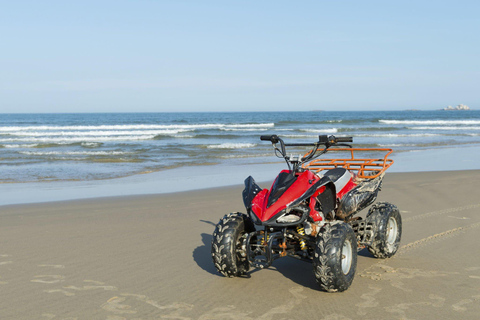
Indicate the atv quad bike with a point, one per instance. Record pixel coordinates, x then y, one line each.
310 213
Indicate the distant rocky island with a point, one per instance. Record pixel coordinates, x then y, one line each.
459 107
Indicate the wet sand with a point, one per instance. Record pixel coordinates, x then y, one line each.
148 257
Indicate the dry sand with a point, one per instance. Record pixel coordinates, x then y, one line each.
148 257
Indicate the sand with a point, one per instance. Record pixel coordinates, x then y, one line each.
148 257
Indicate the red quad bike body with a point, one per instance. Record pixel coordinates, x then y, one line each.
303 181
311 213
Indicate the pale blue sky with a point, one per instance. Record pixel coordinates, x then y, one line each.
126 56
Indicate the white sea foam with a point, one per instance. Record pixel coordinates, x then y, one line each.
244 129
95 133
431 122
75 153
310 136
445 128
231 145
139 127
396 145
78 139
91 144
15 146
320 131
397 135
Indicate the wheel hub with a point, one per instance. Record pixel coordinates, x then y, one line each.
392 229
346 256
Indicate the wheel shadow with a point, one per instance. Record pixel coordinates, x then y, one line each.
202 255
365 253
300 272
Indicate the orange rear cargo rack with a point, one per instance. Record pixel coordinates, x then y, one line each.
365 168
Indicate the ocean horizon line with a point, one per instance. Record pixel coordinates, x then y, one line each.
234 111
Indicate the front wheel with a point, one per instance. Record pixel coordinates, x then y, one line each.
387 223
335 259
228 244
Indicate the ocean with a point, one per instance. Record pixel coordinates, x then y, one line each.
87 147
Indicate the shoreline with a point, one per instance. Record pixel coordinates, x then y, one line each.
216 176
208 190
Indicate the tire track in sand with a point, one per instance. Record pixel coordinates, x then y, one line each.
435 237
414 245
440 212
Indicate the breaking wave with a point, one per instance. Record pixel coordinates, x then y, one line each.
76 153
444 128
431 122
231 146
140 127
320 130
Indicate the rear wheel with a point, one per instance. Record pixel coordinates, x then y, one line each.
228 244
387 222
335 259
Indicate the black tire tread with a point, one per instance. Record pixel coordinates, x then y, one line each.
328 273
378 213
224 244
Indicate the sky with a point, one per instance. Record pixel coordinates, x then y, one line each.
169 56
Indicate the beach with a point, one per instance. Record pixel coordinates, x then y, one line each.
129 131
148 257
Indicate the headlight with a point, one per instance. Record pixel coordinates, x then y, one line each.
288 218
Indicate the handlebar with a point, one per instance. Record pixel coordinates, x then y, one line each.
327 141
322 139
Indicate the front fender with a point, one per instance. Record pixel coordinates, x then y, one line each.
251 190
327 198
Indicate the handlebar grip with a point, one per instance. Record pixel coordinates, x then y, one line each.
344 139
272 138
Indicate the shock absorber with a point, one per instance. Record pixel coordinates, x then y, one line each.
266 238
301 231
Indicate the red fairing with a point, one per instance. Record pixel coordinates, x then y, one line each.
314 213
298 188
259 202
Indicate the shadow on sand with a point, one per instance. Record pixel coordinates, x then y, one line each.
203 256
364 253
300 272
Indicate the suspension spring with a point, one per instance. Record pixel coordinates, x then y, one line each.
301 231
266 238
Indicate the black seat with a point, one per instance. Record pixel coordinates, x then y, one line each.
335 174
339 176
